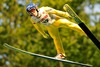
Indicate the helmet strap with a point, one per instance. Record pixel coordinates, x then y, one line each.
37 12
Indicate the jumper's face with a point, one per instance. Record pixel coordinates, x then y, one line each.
33 12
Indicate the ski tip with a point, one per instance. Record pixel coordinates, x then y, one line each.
65 6
5 44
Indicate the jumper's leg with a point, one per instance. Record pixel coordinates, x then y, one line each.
54 33
69 24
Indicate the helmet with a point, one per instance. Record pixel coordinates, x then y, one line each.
30 6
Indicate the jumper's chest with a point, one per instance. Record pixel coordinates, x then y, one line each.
43 17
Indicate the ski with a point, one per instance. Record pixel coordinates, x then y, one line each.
68 9
46 57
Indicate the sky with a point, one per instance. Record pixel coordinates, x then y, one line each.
88 10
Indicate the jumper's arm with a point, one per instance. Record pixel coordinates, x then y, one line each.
40 29
57 12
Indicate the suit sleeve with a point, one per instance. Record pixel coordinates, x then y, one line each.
57 12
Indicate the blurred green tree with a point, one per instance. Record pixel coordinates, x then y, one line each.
17 30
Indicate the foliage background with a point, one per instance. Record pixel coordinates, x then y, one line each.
17 30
